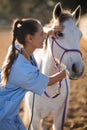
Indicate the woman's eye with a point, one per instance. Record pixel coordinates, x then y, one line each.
59 34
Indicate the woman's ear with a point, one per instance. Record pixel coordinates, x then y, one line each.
28 38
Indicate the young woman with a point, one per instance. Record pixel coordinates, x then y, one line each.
20 72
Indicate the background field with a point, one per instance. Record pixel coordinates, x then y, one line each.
77 113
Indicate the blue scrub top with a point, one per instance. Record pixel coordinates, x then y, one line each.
23 77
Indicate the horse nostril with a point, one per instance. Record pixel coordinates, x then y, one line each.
74 68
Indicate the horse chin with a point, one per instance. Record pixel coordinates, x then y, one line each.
75 77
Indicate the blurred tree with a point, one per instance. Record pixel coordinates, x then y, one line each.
72 4
4 9
40 9
16 9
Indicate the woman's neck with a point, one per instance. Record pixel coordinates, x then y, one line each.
27 52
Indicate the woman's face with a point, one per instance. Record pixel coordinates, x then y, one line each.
38 38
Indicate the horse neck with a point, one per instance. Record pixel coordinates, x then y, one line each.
48 64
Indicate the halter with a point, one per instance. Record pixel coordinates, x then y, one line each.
65 49
58 65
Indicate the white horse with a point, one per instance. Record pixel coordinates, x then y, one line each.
62 50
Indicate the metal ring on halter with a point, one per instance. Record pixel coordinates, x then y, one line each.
58 64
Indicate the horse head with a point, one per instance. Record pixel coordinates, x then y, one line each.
66 45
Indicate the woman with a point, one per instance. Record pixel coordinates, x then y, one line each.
20 72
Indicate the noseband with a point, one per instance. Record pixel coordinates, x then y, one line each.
65 49
58 65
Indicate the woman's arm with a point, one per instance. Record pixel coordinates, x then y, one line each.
56 77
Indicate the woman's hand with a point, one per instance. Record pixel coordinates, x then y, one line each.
57 77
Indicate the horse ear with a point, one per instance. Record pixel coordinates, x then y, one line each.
57 10
76 14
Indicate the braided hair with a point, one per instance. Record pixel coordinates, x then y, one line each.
21 28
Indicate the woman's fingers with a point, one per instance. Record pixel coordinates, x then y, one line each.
58 28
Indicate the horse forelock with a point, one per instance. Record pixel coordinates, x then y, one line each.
65 15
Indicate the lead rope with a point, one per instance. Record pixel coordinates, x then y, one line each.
58 68
64 111
32 112
33 63
58 65
65 51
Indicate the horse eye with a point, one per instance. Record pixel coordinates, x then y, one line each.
59 34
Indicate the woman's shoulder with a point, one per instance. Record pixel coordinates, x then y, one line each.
23 64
